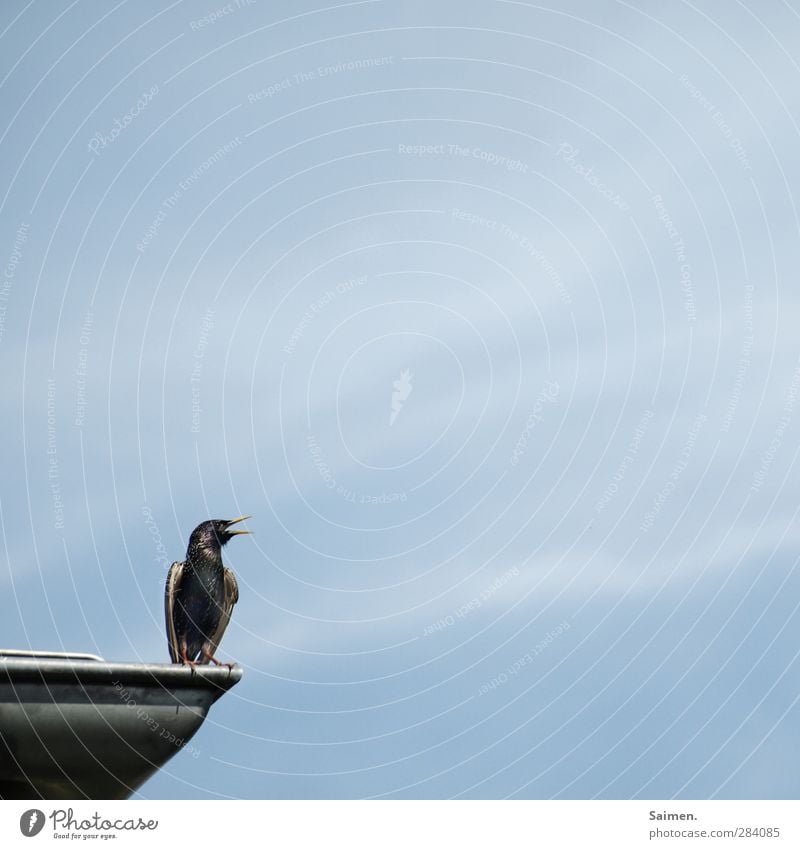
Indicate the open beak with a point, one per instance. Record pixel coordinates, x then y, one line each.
233 522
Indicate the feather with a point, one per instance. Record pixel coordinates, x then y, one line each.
231 597
174 578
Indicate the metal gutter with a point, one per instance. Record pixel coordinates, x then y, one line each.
76 727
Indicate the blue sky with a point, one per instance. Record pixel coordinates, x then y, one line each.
486 312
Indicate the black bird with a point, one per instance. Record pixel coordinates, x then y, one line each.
200 595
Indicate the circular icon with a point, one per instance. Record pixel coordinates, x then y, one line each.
31 822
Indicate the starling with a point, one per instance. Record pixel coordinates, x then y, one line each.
200 595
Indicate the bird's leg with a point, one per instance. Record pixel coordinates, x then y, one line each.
216 662
192 664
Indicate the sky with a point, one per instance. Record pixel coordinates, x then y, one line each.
486 312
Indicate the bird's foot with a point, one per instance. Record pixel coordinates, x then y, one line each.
192 664
218 662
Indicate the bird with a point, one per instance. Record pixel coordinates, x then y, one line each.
200 595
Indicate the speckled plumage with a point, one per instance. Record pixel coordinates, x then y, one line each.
200 594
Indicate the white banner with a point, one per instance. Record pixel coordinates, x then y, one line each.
404 824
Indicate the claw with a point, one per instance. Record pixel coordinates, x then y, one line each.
216 662
192 664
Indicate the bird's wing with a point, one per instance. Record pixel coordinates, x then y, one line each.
231 597
174 578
